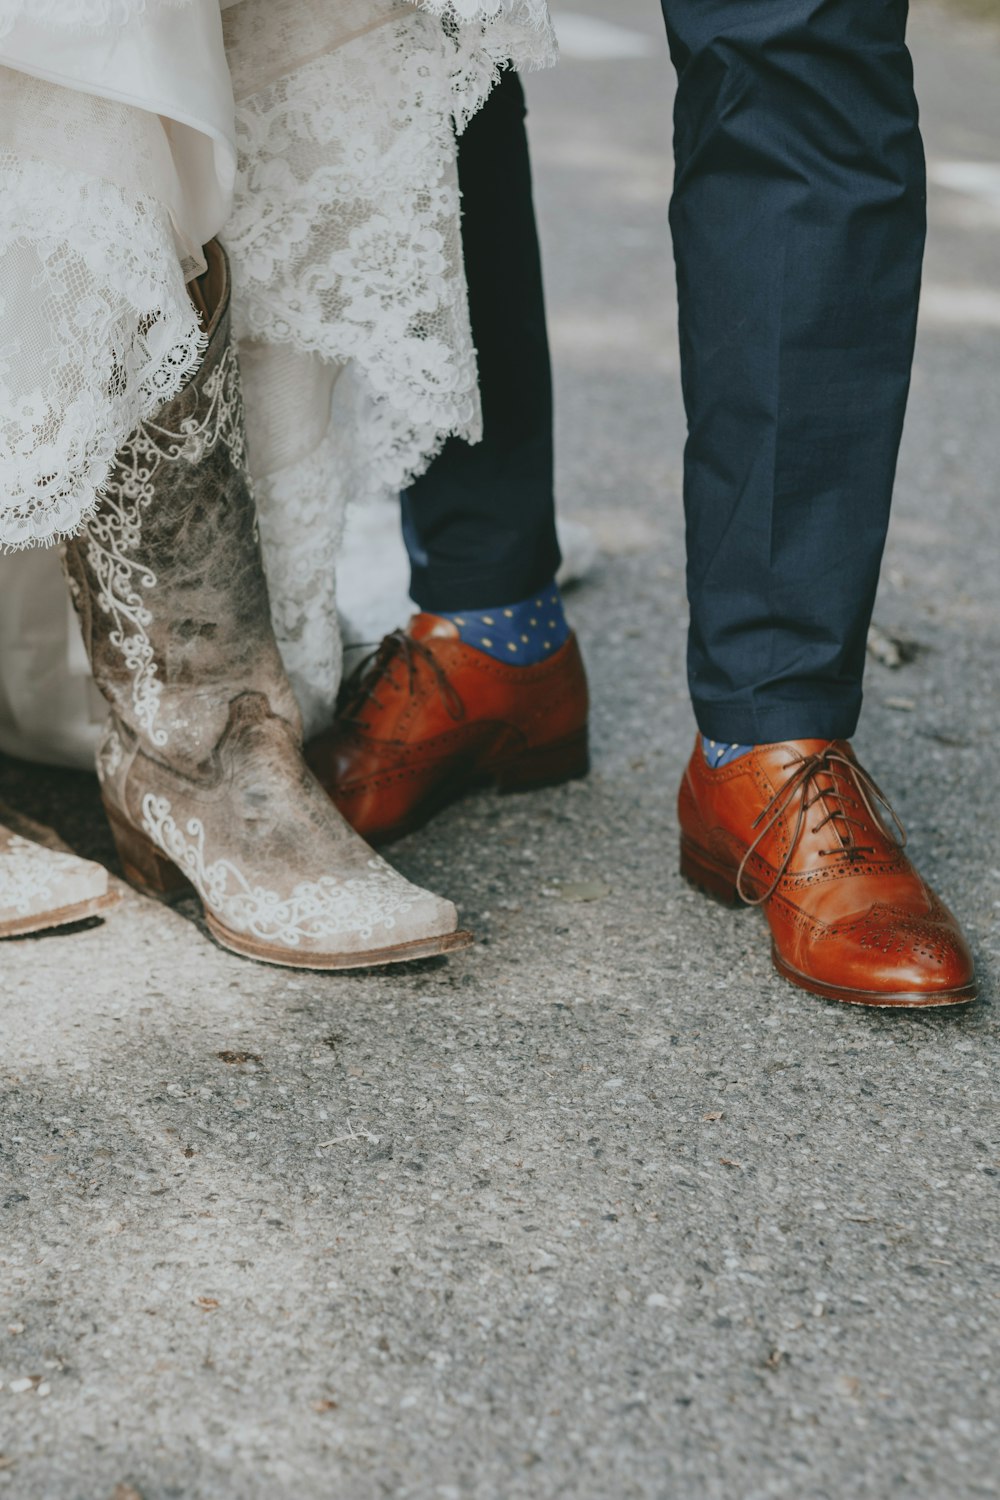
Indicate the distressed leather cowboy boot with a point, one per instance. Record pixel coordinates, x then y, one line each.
43 885
794 828
201 766
429 717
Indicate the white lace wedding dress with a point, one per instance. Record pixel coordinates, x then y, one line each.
317 138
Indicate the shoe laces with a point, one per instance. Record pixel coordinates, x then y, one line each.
361 686
848 787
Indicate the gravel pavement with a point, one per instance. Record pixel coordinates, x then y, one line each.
601 1208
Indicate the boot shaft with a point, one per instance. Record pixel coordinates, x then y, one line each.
167 576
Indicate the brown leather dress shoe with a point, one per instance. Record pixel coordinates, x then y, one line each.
793 828
428 717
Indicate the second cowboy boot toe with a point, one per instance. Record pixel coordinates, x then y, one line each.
43 885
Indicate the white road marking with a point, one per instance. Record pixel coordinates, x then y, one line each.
979 179
968 306
589 40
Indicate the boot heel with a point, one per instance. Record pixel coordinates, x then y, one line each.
548 765
145 867
700 870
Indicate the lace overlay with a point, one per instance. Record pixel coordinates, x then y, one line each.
484 36
345 244
345 249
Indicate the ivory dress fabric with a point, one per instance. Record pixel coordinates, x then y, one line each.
317 138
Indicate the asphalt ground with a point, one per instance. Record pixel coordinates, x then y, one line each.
600 1208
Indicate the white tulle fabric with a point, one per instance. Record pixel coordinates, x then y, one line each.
349 294
77 15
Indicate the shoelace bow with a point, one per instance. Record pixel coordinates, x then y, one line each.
363 681
804 781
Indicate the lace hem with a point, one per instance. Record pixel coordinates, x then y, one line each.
302 572
482 37
346 243
96 332
350 248
302 508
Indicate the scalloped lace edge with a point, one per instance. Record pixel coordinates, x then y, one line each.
129 312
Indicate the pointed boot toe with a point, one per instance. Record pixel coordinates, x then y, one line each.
434 917
281 876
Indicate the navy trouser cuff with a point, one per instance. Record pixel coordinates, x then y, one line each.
768 724
438 588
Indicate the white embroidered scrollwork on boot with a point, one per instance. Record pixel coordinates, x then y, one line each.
279 877
114 533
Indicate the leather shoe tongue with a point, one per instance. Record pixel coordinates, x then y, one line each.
423 627
805 748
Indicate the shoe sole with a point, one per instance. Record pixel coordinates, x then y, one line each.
531 771
64 916
926 1000
399 953
149 871
712 879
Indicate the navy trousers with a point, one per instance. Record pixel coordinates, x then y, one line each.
798 221
480 524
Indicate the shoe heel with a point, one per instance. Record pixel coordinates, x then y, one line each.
700 870
547 765
145 867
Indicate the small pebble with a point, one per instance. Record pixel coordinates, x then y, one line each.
584 890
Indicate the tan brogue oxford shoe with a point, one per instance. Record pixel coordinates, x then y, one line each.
430 717
794 828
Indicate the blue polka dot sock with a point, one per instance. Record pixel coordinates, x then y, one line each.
520 634
719 754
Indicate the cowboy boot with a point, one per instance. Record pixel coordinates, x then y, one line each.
43 885
201 766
